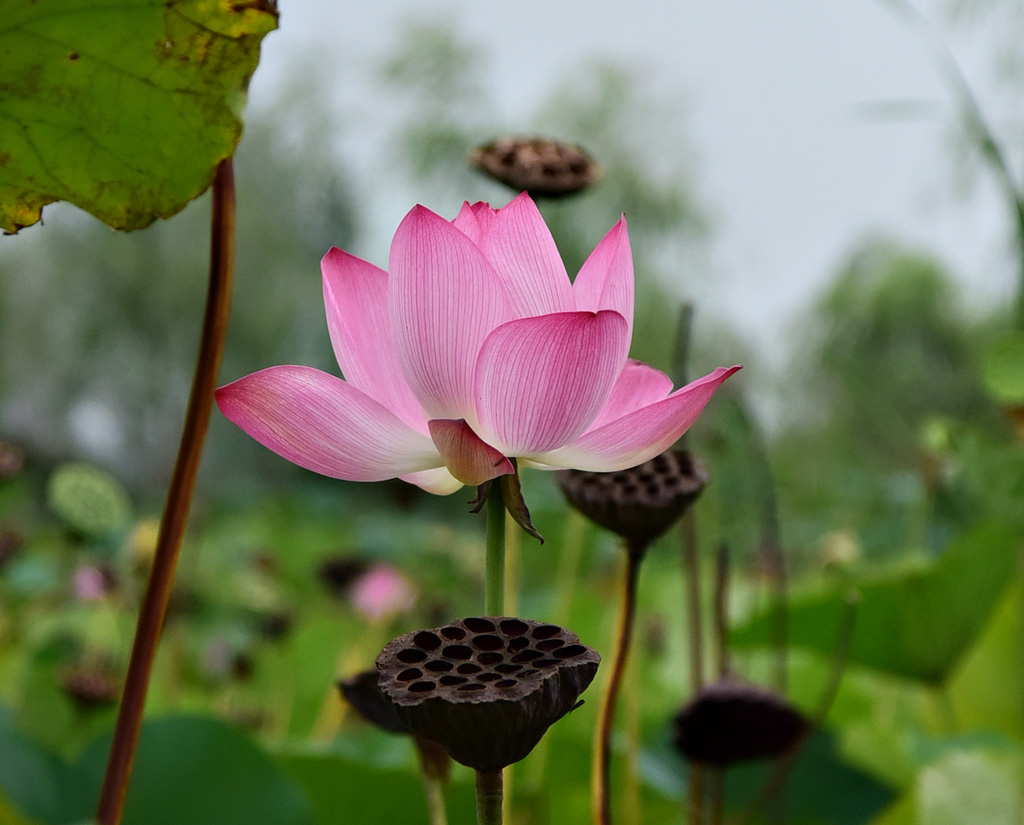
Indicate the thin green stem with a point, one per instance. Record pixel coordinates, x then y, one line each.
494 593
489 794
179 498
691 573
722 612
694 634
575 526
435 801
600 796
434 766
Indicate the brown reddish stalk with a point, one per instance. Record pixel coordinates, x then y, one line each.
603 735
179 498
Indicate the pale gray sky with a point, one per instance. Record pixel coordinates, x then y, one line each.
783 98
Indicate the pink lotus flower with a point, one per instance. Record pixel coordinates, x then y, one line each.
475 349
382 592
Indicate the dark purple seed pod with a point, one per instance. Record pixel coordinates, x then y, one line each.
91 688
642 502
483 687
363 693
12 459
339 572
729 722
274 625
10 544
542 167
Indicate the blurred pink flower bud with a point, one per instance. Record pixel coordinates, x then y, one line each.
382 592
91 583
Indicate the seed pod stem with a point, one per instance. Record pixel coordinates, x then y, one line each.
489 794
602 746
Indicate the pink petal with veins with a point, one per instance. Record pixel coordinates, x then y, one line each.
541 381
445 298
325 425
474 220
640 435
467 457
638 385
437 481
520 246
605 280
356 300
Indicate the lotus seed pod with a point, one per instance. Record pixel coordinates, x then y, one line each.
12 460
642 502
539 166
338 573
90 687
363 693
486 688
729 722
10 544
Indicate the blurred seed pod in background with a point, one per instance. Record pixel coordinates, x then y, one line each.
10 543
338 572
729 722
91 687
542 167
362 691
12 459
642 502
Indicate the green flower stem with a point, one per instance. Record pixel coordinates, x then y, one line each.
565 586
494 593
435 766
691 575
179 498
434 791
600 797
489 794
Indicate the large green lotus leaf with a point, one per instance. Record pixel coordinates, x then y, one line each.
123 109
914 623
9 816
821 788
32 780
965 788
341 789
187 769
986 687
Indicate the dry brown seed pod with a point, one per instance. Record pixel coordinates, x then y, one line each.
729 722
90 688
642 502
364 695
10 544
12 460
540 166
483 687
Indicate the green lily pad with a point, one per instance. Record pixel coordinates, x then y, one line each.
1003 368
123 109
965 788
915 624
188 769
